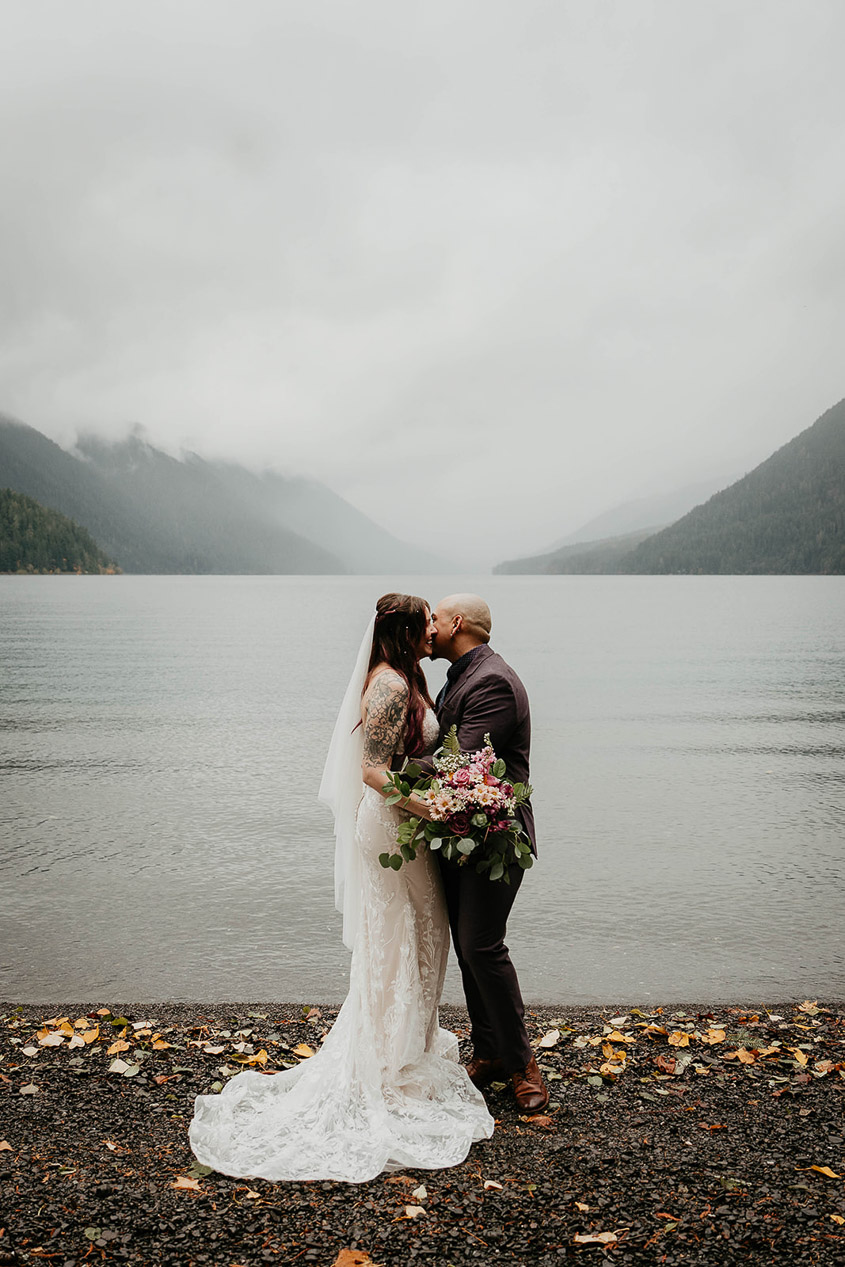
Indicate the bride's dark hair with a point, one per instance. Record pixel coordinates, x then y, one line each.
401 621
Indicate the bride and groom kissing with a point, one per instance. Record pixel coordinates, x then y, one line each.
385 1091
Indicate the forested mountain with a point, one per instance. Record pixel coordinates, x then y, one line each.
583 558
35 539
646 513
193 486
785 516
156 513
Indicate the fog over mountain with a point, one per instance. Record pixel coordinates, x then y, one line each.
481 269
156 513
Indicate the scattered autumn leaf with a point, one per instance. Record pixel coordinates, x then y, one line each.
492 1184
822 1170
184 1184
420 1193
53 1039
550 1039
353 1258
595 1238
161 1045
811 1008
413 1211
665 1063
302 1049
714 1036
5 1146
837 1218
91 1035
582 1206
800 1056
119 1045
678 1038
30 1089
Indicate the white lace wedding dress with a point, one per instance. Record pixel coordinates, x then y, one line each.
385 1091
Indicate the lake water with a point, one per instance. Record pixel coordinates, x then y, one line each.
162 739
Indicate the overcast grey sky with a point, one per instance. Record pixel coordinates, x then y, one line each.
484 268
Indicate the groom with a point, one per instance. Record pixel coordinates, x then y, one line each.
483 695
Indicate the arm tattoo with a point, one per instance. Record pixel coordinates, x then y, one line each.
387 710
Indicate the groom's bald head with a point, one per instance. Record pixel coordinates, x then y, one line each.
462 622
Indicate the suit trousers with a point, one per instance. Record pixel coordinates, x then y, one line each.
478 915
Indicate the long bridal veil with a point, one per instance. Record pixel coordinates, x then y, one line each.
384 1091
341 790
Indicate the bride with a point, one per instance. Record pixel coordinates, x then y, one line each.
385 1091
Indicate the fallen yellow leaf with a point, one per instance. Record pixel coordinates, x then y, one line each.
822 1170
678 1038
91 1035
582 1206
119 1045
714 1036
837 1218
745 1057
103 1011
617 1037
5 1146
160 1045
800 1056
184 1184
808 1006
251 1194
549 1040
82 1023
353 1258
302 1049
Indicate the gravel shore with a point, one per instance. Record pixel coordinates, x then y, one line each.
680 1134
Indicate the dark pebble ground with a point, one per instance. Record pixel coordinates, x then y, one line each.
690 1148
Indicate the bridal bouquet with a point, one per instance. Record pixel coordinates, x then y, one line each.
472 807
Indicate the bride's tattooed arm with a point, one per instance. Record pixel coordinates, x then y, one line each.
384 721
385 715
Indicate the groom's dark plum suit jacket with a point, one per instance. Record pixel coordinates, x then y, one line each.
488 698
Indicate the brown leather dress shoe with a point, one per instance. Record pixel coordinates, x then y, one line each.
482 1071
529 1088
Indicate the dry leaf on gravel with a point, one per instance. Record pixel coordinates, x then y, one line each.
185 1184
595 1238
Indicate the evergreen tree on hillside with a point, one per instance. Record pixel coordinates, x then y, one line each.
35 539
